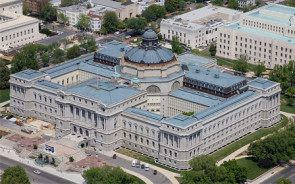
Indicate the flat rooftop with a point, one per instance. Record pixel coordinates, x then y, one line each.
181 120
105 91
260 33
196 97
83 63
193 59
205 12
213 76
281 9
114 49
198 18
144 114
262 83
16 20
73 8
2 2
230 102
29 74
48 84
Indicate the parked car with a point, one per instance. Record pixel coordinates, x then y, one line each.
147 167
142 166
37 172
155 172
138 164
3 116
9 117
133 163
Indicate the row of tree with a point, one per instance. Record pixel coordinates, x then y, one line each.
205 170
275 149
107 175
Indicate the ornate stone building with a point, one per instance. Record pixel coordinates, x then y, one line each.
138 101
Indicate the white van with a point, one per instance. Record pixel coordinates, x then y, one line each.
133 163
147 167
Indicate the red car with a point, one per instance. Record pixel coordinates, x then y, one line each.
155 172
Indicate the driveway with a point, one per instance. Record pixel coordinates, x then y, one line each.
159 178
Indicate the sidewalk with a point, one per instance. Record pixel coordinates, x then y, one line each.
4 103
267 174
9 153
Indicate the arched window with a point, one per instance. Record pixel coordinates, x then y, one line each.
75 129
153 89
81 131
175 85
87 133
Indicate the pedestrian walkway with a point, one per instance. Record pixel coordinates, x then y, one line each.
4 103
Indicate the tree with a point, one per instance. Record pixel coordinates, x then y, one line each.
204 170
199 5
71 159
62 18
212 50
241 64
154 12
83 21
106 175
217 2
4 76
290 92
136 23
88 6
48 13
88 44
58 53
283 181
239 173
176 45
25 59
73 52
259 69
171 5
285 75
233 4
26 9
182 4
45 59
65 3
110 21
35 146
15 175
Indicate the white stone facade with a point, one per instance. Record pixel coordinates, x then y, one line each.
265 35
199 27
15 6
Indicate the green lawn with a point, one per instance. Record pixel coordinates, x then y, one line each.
7 105
144 158
248 139
4 95
287 107
230 63
137 180
253 170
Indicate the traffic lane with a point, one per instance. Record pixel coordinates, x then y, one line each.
159 178
43 178
286 173
56 38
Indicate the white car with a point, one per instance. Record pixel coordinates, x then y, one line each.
37 172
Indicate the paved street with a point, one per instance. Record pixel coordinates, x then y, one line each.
286 173
43 178
66 31
159 178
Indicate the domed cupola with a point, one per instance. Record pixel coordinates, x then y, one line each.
149 51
